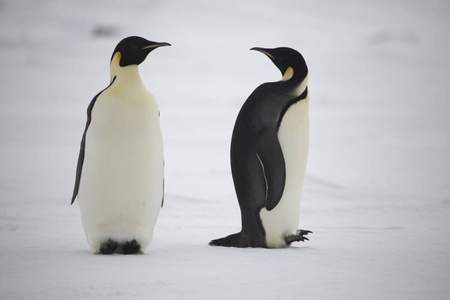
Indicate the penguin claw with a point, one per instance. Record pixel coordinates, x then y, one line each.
108 247
131 247
299 236
303 232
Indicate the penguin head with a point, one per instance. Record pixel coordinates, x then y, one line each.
287 60
133 50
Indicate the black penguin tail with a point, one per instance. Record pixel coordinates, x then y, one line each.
238 240
229 241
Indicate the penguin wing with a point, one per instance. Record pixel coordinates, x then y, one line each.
82 147
79 167
163 184
83 143
268 150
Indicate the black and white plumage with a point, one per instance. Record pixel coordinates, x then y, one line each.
119 178
269 150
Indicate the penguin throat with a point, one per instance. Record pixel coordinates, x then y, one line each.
288 74
127 76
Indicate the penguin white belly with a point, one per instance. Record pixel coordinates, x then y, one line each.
293 135
121 186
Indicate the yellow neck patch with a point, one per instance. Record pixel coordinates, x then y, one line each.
288 74
116 58
114 67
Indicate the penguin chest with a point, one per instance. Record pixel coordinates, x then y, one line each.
293 135
121 186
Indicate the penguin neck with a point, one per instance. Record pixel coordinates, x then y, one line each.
294 80
128 75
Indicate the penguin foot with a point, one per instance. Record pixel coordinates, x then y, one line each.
108 247
299 236
229 241
131 247
239 240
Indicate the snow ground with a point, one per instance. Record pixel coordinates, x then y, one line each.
377 192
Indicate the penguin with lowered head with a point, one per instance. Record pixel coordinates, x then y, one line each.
269 150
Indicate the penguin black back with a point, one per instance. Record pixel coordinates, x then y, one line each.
257 160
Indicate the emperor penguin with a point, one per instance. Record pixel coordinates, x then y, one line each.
119 179
269 150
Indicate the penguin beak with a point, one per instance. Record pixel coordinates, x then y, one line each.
264 51
153 46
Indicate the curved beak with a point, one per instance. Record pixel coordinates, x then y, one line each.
263 50
153 46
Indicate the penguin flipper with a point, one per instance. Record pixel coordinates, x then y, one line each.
82 147
162 200
270 155
79 168
83 143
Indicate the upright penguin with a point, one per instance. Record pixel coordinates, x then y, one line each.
269 150
119 180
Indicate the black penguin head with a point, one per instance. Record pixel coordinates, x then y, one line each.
285 58
134 49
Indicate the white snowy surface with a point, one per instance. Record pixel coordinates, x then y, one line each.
377 189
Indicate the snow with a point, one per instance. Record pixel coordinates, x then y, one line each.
377 189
